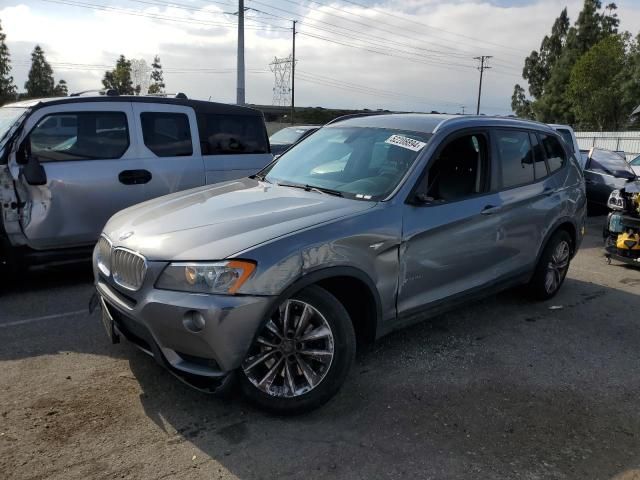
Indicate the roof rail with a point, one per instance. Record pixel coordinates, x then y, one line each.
179 95
356 115
109 92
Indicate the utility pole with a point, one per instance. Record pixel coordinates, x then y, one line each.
483 66
462 107
293 73
240 80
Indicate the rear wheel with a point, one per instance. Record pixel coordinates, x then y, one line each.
301 356
552 267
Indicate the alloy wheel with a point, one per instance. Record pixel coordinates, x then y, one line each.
293 352
557 267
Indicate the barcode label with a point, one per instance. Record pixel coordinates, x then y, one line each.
405 142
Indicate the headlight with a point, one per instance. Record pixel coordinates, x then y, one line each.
215 277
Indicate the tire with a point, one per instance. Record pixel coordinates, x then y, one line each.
552 263
300 382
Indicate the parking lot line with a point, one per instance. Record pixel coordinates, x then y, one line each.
43 318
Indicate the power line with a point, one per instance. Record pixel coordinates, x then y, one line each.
351 30
450 66
378 44
364 37
92 6
390 14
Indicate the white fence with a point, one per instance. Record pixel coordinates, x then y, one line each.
628 142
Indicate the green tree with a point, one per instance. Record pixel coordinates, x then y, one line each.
631 84
538 65
119 78
520 104
597 85
7 88
157 77
548 70
61 89
40 82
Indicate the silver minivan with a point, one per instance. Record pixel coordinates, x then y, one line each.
68 164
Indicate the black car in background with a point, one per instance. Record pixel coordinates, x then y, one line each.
604 172
283 139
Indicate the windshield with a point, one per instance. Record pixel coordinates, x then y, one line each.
610 163
287 135
362 163
636 161
8 116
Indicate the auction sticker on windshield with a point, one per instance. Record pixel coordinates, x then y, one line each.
405 142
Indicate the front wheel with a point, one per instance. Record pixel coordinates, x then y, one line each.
552 267
302 355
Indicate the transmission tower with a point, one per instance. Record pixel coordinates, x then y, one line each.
281 68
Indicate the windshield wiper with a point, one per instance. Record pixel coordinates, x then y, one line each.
259 176
311 188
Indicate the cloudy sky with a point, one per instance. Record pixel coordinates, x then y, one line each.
403 55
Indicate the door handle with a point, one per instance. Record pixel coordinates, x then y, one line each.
547 192
134 177
490 210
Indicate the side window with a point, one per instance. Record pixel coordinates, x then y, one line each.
516 157
460 170
539 164
232 134
556 155
167 134
80 136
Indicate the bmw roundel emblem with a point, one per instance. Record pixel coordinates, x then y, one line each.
126 235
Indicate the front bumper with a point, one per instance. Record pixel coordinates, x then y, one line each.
155 321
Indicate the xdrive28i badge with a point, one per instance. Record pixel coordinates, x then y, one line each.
126 235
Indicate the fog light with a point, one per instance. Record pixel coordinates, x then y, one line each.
193 321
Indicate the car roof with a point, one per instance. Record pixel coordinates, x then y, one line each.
200 106
431 123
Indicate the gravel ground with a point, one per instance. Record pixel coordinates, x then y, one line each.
499 389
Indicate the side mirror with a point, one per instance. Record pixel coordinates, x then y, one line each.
422 199
34 172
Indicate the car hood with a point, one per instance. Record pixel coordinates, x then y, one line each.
217 221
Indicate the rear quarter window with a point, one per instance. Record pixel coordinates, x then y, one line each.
556 156
567 137
232 134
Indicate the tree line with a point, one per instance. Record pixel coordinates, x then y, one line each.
586 74
129 77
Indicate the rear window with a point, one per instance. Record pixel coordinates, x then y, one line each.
80 136
167 134
232 134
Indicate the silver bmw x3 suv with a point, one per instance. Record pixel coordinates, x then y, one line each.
372 223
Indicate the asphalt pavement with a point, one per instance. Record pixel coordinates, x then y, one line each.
503 388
